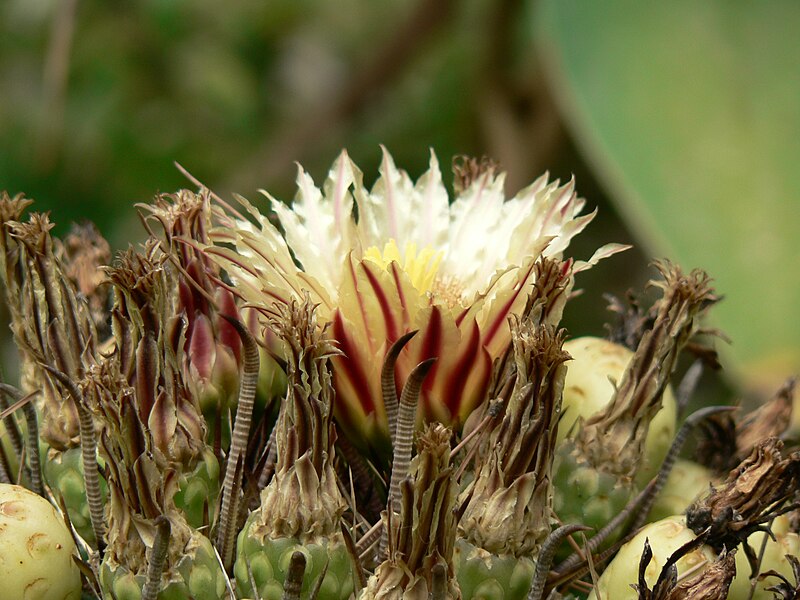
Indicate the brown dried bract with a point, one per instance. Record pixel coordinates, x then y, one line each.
85 251
728 440
712 583
467 170
762 487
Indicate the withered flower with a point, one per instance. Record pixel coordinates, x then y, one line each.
149 339
422 538
143 488
301 507
729 438
762 487
612 440
712 583
507 512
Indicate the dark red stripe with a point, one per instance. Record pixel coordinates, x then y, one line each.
392 332
359 299
432 337
459 373
502 316
402 297
350 368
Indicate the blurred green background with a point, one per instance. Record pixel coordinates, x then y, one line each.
680 120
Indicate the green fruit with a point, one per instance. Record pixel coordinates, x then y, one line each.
686 482
36 549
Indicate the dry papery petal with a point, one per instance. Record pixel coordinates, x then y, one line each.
753 494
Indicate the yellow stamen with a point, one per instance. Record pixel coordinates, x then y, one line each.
421 266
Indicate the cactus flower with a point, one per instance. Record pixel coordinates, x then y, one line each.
402 257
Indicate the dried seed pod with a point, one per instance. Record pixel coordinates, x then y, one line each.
506 513
596 470
421 538
301 508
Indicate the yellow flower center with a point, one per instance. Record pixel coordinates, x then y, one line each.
420 266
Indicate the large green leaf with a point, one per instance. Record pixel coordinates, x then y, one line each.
690 114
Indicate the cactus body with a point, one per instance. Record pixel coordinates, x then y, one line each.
197 575
198 490
268 560
484 576
585 495
64 473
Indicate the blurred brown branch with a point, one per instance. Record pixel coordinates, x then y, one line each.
54 83
518 116
276 156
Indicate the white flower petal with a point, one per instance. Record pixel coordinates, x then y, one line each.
319 228
600 254
431 204
478 234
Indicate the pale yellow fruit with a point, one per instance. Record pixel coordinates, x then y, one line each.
687 482
665 537
588 388
786 542
36 549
